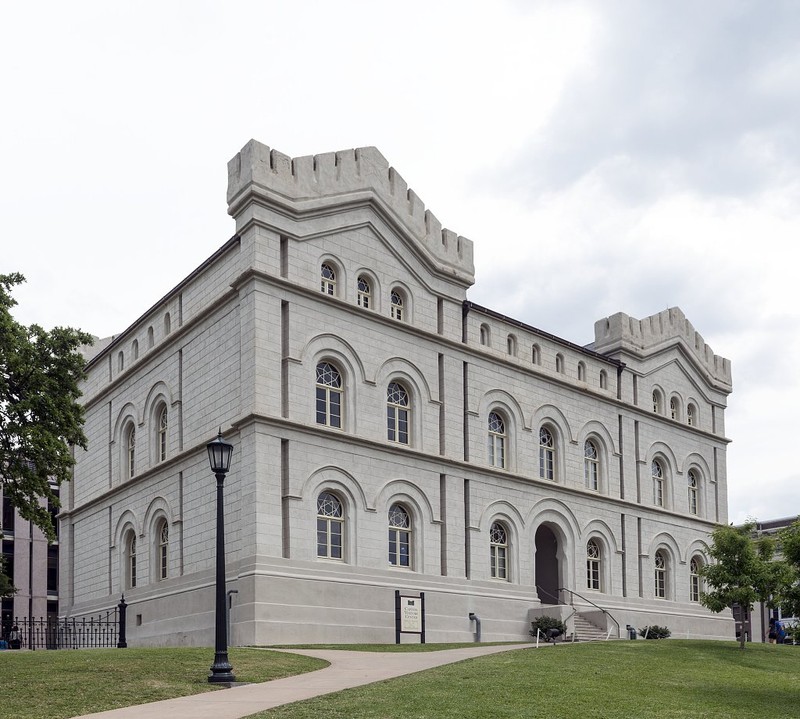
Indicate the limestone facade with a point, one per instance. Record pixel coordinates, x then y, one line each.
389 435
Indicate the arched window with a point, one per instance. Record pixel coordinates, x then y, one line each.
150 338
167 324
658 402
694 579
498 551
121 361
547 454
329 395
603 379
560 363
691 415
364 289
163 550
399 536
536 354
330 526
511 345
130 560
657 471
130 451
693 490
397 413
485 335
674 408
591 465
497 441
660 569
593 559
398 304
327 279
581 372
162 434
135 349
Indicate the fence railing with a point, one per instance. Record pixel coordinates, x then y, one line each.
106 629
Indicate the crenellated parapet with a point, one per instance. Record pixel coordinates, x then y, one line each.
622 333
317 181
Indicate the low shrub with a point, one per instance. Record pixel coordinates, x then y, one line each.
654 632
542 624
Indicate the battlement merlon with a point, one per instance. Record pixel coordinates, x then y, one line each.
641 338
340 177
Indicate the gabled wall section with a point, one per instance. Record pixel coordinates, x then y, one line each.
314 183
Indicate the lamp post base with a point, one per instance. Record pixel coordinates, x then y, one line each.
221 670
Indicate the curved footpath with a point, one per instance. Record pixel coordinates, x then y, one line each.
346 670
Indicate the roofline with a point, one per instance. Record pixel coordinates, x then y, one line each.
468 305
235 240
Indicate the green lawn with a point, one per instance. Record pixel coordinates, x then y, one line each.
68 683
662 679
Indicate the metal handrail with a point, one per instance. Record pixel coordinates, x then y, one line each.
596 606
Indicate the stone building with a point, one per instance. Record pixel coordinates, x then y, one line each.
389 435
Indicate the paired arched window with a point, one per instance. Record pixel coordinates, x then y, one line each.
130 559
660 575
162 435
498 551
693 487
657 472
691 415
658 402
162 550
364 290
130 452
497 441
330 526
397 305
547 454
327 279
593 565
399 536
694 579
329 395
591 465
397 413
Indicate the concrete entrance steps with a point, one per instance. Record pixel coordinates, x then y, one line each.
585 631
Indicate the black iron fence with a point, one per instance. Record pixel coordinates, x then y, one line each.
106 629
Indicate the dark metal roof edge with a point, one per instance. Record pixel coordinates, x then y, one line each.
468 305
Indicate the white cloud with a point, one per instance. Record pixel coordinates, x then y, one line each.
604 157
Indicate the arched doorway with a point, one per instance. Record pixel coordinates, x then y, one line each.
547 579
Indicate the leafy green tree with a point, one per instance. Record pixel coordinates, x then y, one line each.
743 571
790 545
7 589
40 417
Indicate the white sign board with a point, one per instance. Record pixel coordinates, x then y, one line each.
411 614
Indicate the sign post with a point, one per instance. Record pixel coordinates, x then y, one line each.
409 615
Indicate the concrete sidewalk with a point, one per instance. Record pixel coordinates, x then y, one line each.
346 670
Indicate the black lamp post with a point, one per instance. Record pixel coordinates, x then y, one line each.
219 455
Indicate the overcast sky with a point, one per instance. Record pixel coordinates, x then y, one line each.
603 156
